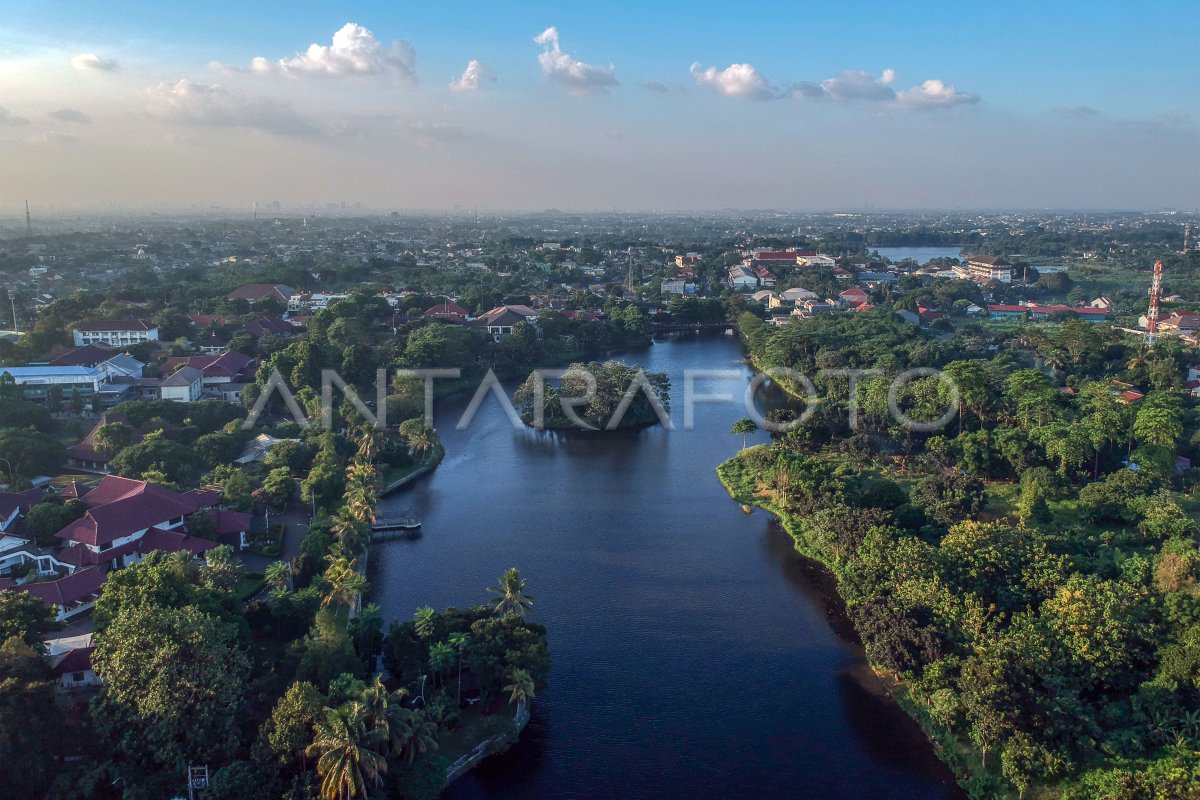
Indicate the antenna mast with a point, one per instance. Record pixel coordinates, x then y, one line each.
29 219
1152 316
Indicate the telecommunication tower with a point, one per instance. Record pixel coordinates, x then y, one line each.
1152 315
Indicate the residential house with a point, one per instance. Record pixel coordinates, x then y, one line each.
74 669
501 320
85 455
765 277
116 333
254 292
447 312
742 278
184 385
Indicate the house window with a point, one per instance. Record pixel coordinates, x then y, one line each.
77 677
105 546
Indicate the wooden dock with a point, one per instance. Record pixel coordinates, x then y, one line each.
405 525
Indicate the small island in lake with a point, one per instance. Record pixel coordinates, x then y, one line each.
595 396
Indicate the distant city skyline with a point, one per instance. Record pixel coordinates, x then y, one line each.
695 106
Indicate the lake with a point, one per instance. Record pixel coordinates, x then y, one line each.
921 255
695 653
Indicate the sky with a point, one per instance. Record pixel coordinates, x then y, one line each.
663 106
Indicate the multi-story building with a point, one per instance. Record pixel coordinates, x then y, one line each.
989 269
115 332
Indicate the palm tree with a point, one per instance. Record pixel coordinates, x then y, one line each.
279 575
441 658
347 753
349 532
423 737
521 688
424 619
459 642
369 442
511 599
386 713
421 441
343 582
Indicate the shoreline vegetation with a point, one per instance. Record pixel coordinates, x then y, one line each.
622 397
1024 580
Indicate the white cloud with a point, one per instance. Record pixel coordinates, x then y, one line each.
849 85
475 75
353 51
736 80
933 93
87 62
70 115
192 103
9 118
578 77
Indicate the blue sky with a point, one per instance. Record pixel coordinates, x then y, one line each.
669 105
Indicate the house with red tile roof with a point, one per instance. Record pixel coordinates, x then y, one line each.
85 454
254 292
447 311
126 518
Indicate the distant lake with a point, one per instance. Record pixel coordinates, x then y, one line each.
922 255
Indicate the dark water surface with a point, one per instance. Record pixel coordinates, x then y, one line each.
694 652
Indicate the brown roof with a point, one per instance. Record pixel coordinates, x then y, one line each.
87 356
79 587
258 291
118 507
129 324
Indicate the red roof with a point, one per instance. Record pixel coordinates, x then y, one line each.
230 364
258 291
79 587
77 660
87 356
446 310
119 507
204 320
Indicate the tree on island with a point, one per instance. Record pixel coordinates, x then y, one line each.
511 599
746 427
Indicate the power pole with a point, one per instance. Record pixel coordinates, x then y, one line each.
13 299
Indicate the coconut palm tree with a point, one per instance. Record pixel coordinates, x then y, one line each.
521 688
343 582
278 575
511 599
350 532
421 441
459 641
423 737
348 757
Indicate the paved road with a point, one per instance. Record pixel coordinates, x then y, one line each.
295 524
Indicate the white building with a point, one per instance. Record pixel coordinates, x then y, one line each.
183 386
116 333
